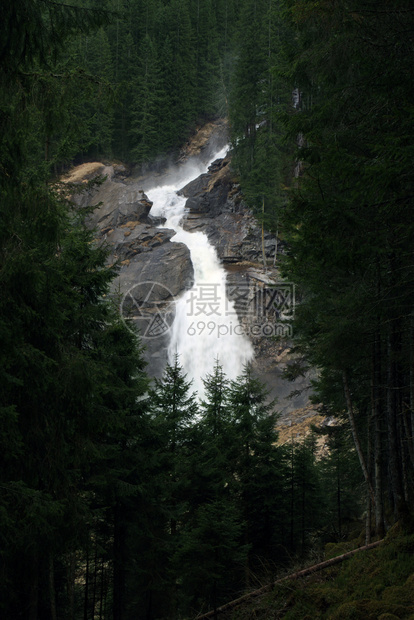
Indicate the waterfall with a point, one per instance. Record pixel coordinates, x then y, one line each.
205 327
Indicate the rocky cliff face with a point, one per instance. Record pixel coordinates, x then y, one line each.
146 255
216 207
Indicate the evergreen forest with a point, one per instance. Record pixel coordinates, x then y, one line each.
127 498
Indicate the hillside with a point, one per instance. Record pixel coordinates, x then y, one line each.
377 584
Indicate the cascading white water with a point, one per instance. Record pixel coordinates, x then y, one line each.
205 328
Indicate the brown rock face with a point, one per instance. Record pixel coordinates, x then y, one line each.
145 255
215 206
154 270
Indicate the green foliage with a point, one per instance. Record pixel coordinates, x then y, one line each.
146 130
35 31
134 88
333 82
163 60
341 483
210 554
307 502
259 95
70 373
258 468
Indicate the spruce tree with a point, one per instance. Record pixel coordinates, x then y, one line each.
70 373
210 554
146 127
350 201
258 468
174 409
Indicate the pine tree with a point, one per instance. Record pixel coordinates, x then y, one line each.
182 78
356 296
99 113
209 555
146 128
80 374
258 468
341 481
259 99
206 57
306 498
77 371
174 409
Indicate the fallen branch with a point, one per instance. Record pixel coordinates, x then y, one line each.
302 573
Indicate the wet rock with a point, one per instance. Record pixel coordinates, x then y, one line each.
116 203
154 279
168 264
153 271
215 207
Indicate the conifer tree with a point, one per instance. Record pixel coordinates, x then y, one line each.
146 127
356 282
258 467
210 554
174 409
306 499
99 112
70 372
341 481
178 28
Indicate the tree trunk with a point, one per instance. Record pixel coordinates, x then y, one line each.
86 595
394 462
263 245
355 436
215 588
119 564
303 520
95 580
411 339
52 594
276 241
102 592
33 586
368 521
71 586
292 498
407 433
376 414
338 497
379 503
